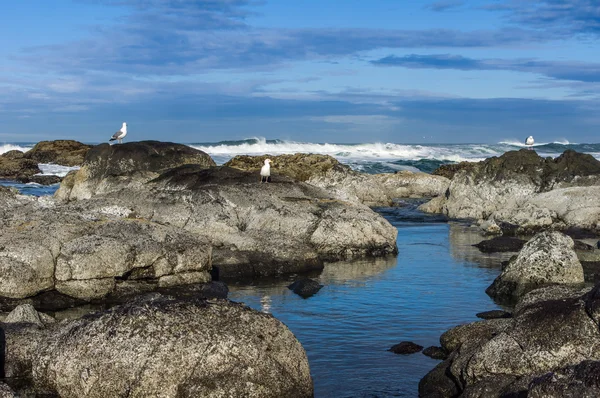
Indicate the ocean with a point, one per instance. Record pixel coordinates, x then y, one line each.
437 281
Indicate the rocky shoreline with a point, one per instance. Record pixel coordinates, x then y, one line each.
151 216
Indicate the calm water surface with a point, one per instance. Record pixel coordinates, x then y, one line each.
436 282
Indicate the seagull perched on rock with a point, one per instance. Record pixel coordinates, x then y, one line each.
265 171
119 135
529 141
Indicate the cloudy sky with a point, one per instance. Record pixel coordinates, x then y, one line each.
312 70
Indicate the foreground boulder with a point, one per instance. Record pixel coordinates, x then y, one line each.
551 330
161 346
548 258
527 190
326 172
107 168
62 152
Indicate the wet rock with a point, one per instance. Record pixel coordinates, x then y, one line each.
548 258
501 244
108 168
305 287
406 348
435 352
159 345
63 152
494 314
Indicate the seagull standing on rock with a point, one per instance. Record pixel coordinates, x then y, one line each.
119 135
265 171
529 141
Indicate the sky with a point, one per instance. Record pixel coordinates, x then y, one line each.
447 71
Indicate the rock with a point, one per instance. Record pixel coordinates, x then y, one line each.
26 313
450 170
522 188
326 172
579 245
40 179
435 352
13 165
490 227
305 287
161 346
6 391
107 168
439 382
598 244
63 152
548 258
494 314
14 154
474 332
556 330
501 244
406 348
576 381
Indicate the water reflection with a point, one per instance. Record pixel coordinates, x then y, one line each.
462 238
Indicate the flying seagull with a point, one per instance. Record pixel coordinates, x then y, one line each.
529 141
265 171
119 135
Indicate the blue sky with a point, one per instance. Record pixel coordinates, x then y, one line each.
322 71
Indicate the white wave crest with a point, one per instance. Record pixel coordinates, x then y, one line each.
513 142
11 147
351 152
55 169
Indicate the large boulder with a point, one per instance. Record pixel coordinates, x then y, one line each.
548 258
521 187
161 346
107 168
346 184
63 152
547 333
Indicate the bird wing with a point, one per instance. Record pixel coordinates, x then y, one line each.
117 135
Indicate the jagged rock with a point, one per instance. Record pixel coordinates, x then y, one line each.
435 352
548 258
406 348
158 345
525 189
305 287
108 168
63 152
500 244
450 170
494 314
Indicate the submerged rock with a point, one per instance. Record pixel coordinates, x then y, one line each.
406 348
305 287
548 258
500 244
63 152
161 346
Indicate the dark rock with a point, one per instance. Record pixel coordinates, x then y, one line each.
63 152
591 271
494 314
580 233
435 352
507 228
579 245
449 170
12 167
500 244
578 381
406 348
305 287
14 154
40 179
439 383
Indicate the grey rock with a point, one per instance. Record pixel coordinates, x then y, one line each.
435 352
548 258
6 391
578 381
26 313
159 345
305 287
494 314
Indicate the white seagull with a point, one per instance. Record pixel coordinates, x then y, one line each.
265 171
119 135
529 141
